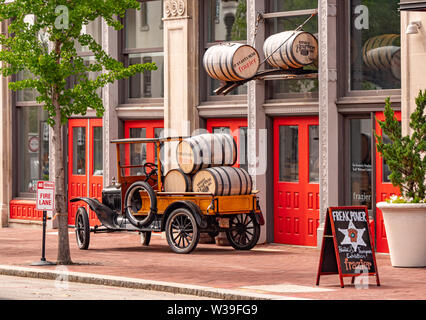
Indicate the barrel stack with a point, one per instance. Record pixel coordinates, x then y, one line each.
206 165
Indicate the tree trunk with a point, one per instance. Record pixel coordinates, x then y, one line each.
64 255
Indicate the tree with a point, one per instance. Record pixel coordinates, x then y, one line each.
405 155
45 46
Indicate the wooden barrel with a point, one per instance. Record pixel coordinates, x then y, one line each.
177 181
231 61
300 49
222 181
381 52
206 150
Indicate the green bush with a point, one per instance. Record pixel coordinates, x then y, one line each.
405 155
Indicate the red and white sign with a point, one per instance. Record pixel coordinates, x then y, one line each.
45 196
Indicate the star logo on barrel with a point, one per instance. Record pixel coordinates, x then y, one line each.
353 236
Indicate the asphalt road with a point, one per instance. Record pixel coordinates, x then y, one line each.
18 288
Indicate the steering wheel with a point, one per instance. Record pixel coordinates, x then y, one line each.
152 171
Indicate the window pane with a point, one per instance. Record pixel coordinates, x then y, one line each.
97 151
144 27
158 133
79 151
289 153
25 94
289 5
222 130
375 45
226 20
149 84
215 84
137 151
243 148
360 162
33 150
277 88
94 29
313 154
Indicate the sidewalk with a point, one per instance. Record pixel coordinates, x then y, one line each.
266 272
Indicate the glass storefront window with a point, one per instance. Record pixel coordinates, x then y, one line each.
290 5
360 162
149 84
375 45
33 150
314 154
144 27
143 43
289 153
137 151
97 151
243 148
94 29
25 94
227 20
79 151
281 88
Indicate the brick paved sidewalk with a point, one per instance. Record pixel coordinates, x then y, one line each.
279 270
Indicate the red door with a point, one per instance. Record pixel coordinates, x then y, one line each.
384 189
296 180
237 128
139 153
85 164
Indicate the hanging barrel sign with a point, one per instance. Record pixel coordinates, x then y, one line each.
231 61
206 150
383 53
222 181
291 49
177 181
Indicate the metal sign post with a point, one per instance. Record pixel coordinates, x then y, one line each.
45 202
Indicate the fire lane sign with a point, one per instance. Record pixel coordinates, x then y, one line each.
45 196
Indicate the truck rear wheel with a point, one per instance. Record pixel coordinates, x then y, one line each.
244 231
182 231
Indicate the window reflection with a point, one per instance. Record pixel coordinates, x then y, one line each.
375 45
289 153
33 155
360 162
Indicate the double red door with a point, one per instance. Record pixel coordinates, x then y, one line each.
296 180
384 189
85 164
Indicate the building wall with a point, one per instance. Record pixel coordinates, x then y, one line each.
188 102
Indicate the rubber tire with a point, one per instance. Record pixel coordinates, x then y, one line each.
256 232
83 218
153 207
145 237
195 231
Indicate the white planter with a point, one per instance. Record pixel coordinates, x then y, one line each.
405 225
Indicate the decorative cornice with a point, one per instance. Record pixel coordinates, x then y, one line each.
174 8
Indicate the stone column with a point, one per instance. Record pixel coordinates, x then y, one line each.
181 79
110 97
413 68
5 147
181 45
328 115
257 135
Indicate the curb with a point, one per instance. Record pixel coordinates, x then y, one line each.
124 282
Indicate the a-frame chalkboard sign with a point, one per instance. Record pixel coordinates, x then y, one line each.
346 246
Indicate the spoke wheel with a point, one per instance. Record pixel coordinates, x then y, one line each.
82 228
182 231
243 232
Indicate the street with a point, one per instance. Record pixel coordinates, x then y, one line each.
18 288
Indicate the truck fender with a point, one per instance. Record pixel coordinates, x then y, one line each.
196 211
